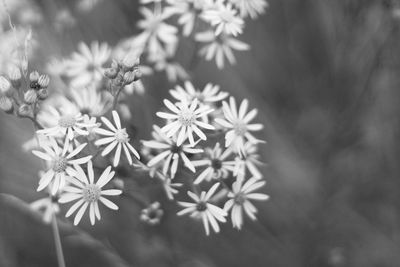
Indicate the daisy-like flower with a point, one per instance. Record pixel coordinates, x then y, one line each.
238 125
87 193
219 47
224 18
91 102
217 165
60 163
186 120
208 96
152 214
170 152
204 210
240 197
251 8
156 33
66 122
117 137
86 66
248 161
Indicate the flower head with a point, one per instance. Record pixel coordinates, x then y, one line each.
250 8
239 201
237 122
88 193
116 137
60 163
185 120
91 102
224 18
152 214
204 210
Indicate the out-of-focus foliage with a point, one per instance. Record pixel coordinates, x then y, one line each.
325 76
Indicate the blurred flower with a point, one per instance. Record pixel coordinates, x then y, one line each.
170 188
251 8
248 161
185 120
169 152
87 193
209 95
202 209
237 124
90 101
86 66
224 18
219 47
240 197
115 137
60 162
47 206
173 70
152 214
217 165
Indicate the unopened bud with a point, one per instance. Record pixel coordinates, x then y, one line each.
138 73
24 110
6 104
44 81
15 76
43 94
114 65
111 73
5 85
129 77
130 61
34 76
30 96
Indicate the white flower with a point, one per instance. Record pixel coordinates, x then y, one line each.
152 214
170 188
219 47
208 96
202 209
60 163
224 18
47 206
64 122
86 66
240 200
250 8
157 35
90 101
173 70
237 124
248 161
115 137
217 165
87 193
169 152
185 120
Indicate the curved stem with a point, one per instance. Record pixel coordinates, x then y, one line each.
57 241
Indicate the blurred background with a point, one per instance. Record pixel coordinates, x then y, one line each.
325 76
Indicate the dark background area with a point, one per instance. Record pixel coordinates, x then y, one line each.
325 77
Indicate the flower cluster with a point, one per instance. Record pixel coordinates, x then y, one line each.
184 140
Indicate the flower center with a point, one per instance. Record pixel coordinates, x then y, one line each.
216 164
201 206
175 149
226 16
121 136
240 128
187 118
91 193
240 198
67 121
60 164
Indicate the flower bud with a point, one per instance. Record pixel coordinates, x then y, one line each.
129 61
24 110
138 74
129 77
115 65
30 96
34 76
5 85
44 81
6 104
43 94
111 73
15 76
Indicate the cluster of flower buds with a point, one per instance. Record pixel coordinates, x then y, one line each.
124 72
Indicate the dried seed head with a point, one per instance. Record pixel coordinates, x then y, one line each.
6 104
44 81
5 85
30 96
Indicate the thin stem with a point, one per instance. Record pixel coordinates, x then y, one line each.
115 102
35 122
57 241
